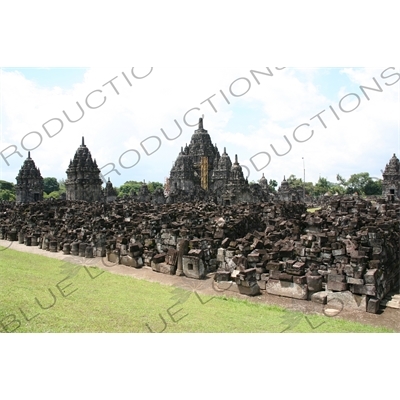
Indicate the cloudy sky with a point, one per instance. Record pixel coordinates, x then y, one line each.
253 112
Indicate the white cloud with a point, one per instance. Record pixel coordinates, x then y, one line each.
363 140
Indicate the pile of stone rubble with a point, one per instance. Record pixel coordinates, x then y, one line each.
350 246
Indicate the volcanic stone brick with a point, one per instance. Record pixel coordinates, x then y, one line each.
285 277
314 283
222 276
287 289
274 274
337 286
296 268
354 281
253 258
300 280
336 278
274 266
339 252
262 284
159 258
129 261
319 297
253 290
221 255
225 243
172 257
369 290
166 269
113 257
373 306
370 277
193 267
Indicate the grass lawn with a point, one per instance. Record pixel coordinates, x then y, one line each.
40 294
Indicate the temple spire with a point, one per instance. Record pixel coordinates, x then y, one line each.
83 140
201 124
29 154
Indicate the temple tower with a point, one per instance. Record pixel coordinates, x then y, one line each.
391 179
83 177
29 187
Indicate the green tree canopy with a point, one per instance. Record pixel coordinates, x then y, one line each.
50 185
297 184
273 184
130 187
7 195
4 185
52 195
154 186
361 183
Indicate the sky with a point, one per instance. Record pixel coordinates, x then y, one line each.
253 112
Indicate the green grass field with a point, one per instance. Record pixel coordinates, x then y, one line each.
39 294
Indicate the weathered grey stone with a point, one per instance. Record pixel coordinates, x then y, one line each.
354 281
347 300
287 289
320 297
193 267
314 283
373 306
337 286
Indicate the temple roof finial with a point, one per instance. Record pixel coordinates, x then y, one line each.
83 140
236 159
201 124
29 154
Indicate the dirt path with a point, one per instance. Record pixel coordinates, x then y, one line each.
388 317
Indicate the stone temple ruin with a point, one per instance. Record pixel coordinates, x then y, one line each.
29 187
83 177
347 252
201 172
391 179
83 180
213 225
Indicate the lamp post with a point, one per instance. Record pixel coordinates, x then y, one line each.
304 179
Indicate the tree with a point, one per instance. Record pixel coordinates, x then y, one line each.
61 184
153 186
361 183
50 185
273 184
7 195
322 187
4 185
52 195
129 188
373 188
297 184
